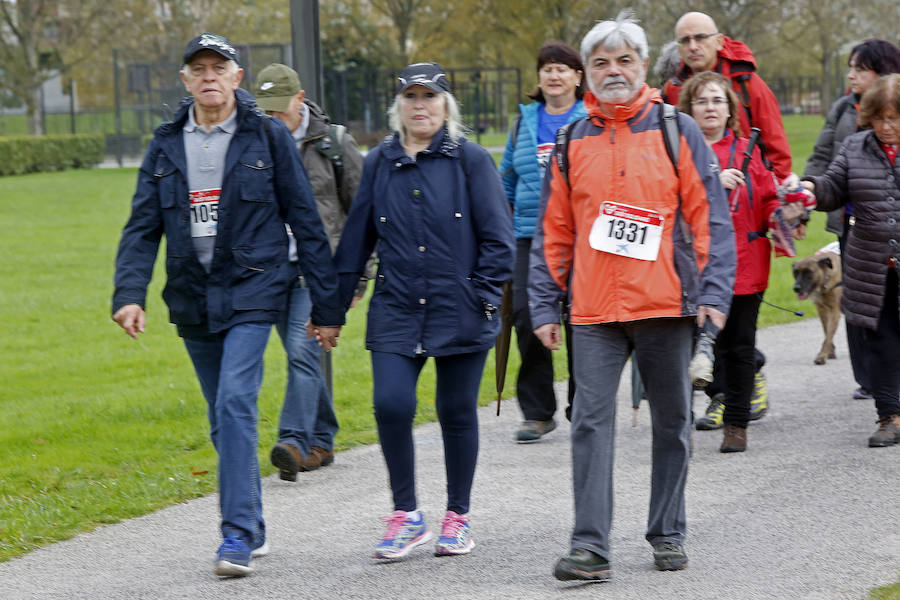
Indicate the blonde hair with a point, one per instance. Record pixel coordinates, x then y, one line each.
455 127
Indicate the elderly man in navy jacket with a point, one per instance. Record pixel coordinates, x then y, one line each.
210 184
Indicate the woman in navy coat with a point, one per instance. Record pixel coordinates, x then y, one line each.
432 206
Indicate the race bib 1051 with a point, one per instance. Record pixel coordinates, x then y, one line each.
204 212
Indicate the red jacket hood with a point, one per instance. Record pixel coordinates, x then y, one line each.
735 51
622 111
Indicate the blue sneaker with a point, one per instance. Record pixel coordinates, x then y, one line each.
456 536
233 558
402 535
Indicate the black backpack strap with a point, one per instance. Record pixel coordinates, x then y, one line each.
671 132
514 137
331 147
744 93
563 135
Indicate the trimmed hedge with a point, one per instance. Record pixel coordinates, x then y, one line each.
30 154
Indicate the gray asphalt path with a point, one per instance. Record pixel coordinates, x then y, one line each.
807 512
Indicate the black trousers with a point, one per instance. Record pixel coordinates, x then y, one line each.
856 339
884 352
534 383
736 357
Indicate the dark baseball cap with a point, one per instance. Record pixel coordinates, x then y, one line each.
429 74
210 41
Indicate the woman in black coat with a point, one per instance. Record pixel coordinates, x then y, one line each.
868 61
865 171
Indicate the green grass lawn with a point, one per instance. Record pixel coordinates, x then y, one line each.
97 427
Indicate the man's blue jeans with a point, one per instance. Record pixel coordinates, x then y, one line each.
307 416
229 366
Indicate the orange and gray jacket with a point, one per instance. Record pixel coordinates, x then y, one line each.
623 159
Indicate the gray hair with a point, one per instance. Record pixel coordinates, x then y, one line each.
455 127
667 63
624 30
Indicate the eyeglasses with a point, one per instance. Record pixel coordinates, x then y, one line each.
717 101
892 121
699 38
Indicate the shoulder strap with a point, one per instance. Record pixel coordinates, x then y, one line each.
563 135
515 130
668 124
331 147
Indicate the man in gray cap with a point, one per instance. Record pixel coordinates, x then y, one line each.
220 181
334 164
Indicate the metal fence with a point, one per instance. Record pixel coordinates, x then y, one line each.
360 98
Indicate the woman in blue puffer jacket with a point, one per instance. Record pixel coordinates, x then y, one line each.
432 206
531 140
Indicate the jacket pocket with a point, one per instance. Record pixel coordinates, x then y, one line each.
260 277
182 294
256 181
165 183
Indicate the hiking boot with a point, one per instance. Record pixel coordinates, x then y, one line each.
403 534
532 431
734 439
233 558
288 459
862 393
669 556
318 457
759 401
581 564
888 432
712 418
456 536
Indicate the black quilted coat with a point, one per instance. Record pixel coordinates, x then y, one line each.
861 173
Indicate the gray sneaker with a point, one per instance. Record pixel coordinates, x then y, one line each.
669 556
888 432
531 431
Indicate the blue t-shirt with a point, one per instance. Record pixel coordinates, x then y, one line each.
546 133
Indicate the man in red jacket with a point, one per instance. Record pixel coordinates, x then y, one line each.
703 48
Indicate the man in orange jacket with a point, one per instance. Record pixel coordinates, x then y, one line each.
642 244
703 48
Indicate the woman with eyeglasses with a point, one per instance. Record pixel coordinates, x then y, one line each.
868 61
865 172
753 199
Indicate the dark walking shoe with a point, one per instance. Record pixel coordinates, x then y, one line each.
318 457
888 432
288 459
584 565
734 439
862 393
532 431
669 556
712 418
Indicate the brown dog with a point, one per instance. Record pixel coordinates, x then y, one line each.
818 277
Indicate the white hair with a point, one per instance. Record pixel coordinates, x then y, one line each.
624 30
455 127
232 68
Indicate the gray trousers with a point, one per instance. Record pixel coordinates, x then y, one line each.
662 348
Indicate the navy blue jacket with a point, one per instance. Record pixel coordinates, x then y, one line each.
442 231
250 273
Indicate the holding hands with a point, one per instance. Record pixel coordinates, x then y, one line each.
326 336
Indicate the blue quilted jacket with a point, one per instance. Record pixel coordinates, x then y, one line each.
519 169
